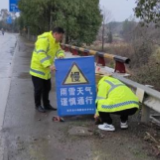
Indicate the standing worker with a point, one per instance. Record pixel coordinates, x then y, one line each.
47 48
114 97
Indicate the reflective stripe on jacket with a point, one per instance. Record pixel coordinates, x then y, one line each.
114 96
46 49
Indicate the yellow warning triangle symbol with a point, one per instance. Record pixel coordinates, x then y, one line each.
75 76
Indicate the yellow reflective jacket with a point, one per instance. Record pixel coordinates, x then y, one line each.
114 96
44 54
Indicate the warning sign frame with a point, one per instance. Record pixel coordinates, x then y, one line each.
75 64
75 99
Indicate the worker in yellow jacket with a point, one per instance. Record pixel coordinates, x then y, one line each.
47 48
114 97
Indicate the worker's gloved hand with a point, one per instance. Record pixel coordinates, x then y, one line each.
97 119
52 68
96 116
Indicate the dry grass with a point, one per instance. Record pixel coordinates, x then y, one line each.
145 60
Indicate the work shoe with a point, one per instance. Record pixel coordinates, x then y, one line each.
49 107
40 109
124 125
106 127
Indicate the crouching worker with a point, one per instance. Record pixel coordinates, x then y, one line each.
114 97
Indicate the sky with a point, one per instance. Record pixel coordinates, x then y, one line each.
120 9
4 4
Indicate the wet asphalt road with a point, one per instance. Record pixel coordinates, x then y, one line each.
29 135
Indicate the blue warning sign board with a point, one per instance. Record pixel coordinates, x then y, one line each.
9 20
13 5
75 86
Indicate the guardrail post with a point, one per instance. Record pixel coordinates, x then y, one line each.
74 51
84 54
101 61
145 117
120 67
67 49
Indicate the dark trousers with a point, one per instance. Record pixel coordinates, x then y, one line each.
41 91
106 118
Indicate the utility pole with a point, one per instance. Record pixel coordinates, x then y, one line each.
103 38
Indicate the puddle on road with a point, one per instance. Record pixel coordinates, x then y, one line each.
24 75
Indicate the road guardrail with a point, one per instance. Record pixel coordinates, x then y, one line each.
101 56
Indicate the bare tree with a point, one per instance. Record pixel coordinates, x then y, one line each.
4 14
107 16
